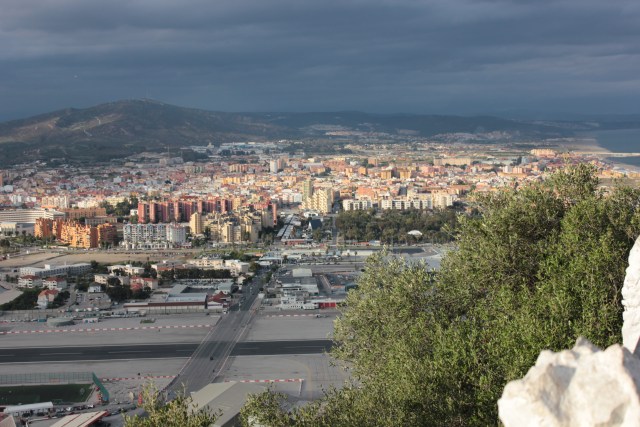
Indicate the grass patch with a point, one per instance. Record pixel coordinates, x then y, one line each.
26 394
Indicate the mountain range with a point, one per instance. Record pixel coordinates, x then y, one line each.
121 128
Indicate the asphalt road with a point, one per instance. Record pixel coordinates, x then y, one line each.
157 351
86 353
268 348
210 359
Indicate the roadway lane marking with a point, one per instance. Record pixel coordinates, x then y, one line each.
7 355
291 315
56 354
129 351
146 377
285 380
306 346
130 328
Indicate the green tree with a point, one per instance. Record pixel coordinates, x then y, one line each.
25 301
113 281
254 266
179 412
538 267
119 293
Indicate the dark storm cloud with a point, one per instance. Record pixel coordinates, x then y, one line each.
375 55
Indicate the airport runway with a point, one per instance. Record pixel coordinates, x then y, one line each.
85 353
270 348
154 351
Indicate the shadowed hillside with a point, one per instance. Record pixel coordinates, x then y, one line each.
122 128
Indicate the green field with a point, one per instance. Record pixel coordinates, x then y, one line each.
62 393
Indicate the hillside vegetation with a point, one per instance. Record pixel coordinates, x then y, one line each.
119 129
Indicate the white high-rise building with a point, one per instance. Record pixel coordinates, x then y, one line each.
153 236
176 234
55 201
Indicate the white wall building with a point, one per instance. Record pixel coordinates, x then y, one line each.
58 283
427 201
356 205
153 236
28 215
50 270
16 228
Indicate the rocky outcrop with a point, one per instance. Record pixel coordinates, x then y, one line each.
584 386
631 301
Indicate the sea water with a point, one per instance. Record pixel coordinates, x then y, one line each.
619 141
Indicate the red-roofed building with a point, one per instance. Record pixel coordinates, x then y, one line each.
29 281
59 283
46 296
138 283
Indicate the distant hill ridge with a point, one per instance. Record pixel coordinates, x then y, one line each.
121 128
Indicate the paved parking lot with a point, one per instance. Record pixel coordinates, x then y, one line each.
133 330
315 372
292 326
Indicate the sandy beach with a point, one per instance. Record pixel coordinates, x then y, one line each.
589 146
586 145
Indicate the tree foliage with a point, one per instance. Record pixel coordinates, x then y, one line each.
121 209
25 301
541 265
195 273
180 412
393 225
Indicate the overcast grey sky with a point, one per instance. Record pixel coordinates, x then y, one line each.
416 56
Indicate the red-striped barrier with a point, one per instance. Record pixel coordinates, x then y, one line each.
146 377
134 328
285 380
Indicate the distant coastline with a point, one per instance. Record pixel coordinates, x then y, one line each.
619 141
609 141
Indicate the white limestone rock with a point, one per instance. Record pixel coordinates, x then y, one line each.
631 301
583 386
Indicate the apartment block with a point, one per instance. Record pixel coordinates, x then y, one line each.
153 236
77 213
321 200
356 205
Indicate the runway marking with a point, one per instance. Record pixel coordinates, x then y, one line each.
306 346
131 328
56 354
146 377
39 362
291 315
285 380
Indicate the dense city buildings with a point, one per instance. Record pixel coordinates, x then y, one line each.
75 234
237 193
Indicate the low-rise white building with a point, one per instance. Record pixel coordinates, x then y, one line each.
235 266
356 205
29 281
16 228
46 297
104 278
128 269
58 283
50 270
